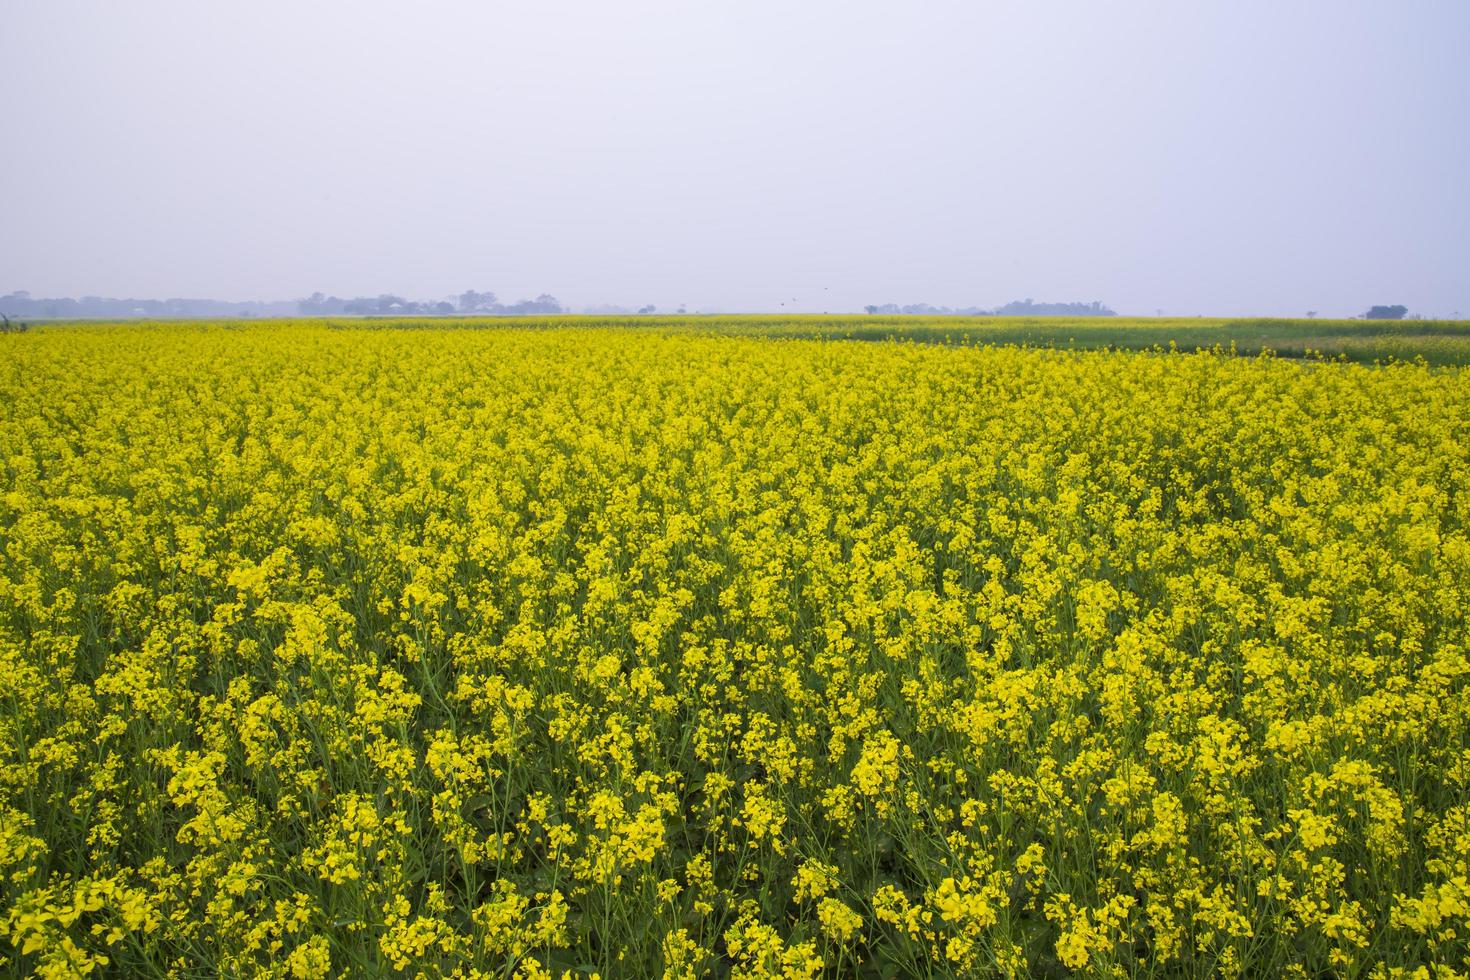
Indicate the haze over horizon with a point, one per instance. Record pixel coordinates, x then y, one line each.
1216 159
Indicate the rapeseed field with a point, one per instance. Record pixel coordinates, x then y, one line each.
510 653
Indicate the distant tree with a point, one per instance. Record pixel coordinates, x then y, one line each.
318 305
1386 313
1027 307
19 303
1020 307
545 303
1311 314
473 302
650 308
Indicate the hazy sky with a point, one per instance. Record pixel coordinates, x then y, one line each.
1271 156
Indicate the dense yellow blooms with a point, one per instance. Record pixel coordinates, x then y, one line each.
567 652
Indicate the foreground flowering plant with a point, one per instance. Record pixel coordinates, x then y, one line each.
495 653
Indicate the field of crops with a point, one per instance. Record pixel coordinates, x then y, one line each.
1438 342
652 652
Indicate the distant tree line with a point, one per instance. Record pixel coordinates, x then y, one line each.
1395 312
468 302
21 303
475 303
1020 307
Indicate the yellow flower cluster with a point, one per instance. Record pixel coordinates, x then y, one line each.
574 652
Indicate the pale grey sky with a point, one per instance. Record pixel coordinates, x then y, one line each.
1266 156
